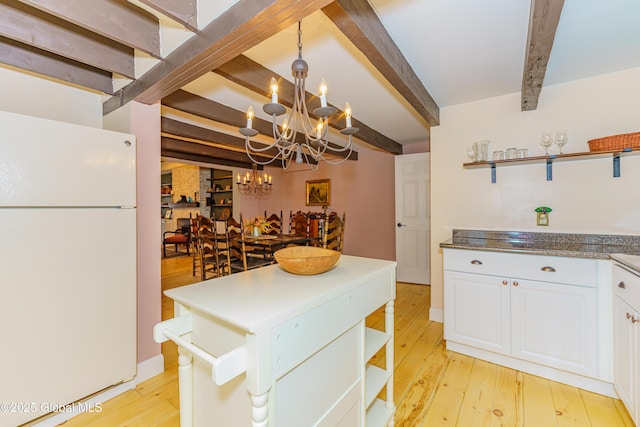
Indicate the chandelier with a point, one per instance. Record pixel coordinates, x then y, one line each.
252 183
297 137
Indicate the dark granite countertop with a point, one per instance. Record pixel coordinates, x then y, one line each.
576 245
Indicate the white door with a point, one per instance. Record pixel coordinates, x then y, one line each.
412 218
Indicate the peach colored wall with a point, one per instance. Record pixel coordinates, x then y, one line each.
144 121
363 188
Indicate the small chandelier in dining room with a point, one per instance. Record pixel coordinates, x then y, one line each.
254 184
286 143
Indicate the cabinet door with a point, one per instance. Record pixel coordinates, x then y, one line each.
476 311
555 325
624 355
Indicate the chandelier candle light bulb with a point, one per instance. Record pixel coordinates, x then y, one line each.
323 92
274 90
347 114
249 117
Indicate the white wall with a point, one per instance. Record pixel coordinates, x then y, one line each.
584 195
33 95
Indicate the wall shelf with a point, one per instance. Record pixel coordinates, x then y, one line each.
549 160
219 178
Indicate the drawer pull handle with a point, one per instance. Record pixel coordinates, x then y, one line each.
515 283
632 318
504 282
476 262
549 269
621 285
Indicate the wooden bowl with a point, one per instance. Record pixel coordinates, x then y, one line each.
306 260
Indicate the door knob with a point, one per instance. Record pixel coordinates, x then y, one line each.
401 224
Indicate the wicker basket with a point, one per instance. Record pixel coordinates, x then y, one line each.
615 142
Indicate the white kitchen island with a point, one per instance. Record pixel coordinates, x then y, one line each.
269 348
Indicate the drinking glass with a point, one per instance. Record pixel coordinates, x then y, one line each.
546 140
561 139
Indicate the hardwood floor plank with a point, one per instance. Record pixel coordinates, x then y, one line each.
507 399
538 402
570 408
601 410
417 401
408 366
624 414
477 406
445 407
156 408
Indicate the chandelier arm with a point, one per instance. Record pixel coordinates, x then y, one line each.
342 159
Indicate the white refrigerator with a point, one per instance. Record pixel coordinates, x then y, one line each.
67 264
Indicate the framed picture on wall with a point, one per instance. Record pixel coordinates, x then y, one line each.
319 192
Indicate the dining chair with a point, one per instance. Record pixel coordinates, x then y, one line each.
275 222
255 251
181 236
195 246
333 235
238 249
223 245
298 223
209 260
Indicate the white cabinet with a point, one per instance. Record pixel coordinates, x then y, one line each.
626 327
477 311
555 325
269 348
528 312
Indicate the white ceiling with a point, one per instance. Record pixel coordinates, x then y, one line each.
461 50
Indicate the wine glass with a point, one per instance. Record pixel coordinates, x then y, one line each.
546 140
561 139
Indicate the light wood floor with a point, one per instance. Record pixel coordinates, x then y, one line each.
433 387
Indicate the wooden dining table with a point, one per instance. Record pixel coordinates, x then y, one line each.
272 241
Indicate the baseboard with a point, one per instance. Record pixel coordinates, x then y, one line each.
436 315
150 368
145 370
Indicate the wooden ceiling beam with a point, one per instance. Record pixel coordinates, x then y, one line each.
201 158
186 130
124 22
242 26
33 27
178 149
212 110
184 12
42 62
359 23
251 75
543 22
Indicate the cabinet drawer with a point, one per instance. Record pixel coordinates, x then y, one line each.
626 285
572 271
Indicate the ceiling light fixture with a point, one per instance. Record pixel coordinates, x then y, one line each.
254 184
312 145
